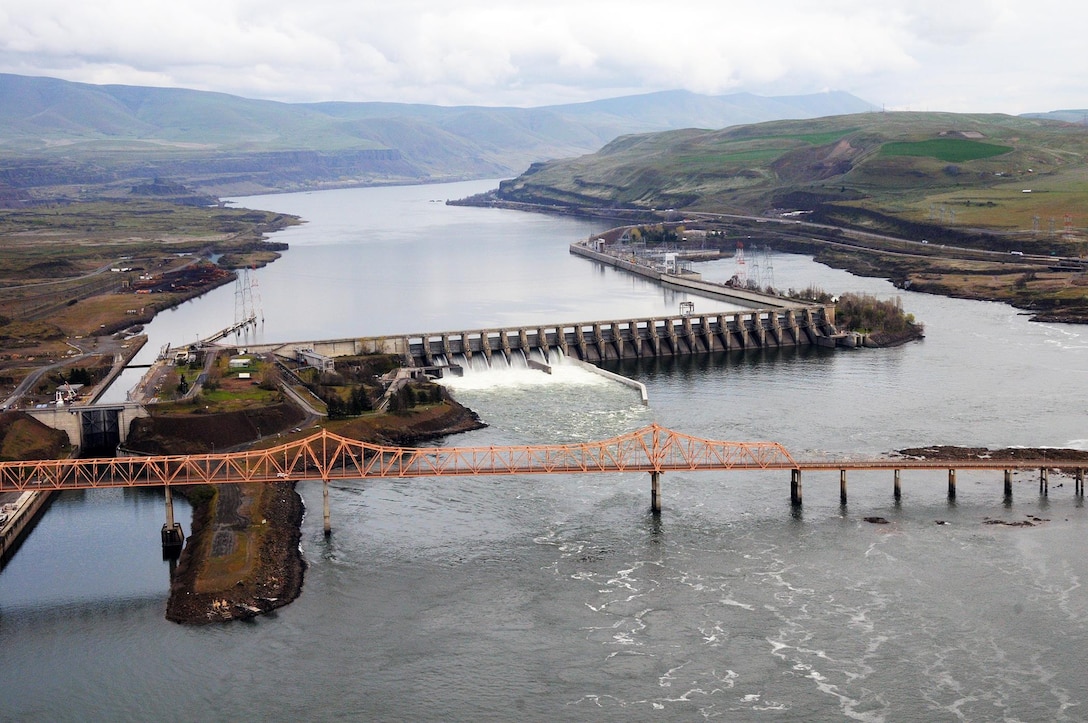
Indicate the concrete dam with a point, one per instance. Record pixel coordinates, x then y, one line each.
595 341
771 322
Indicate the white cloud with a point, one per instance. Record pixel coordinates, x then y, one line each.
989 55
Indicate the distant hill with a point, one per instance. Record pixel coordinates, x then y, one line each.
57 133
1068 116
875 170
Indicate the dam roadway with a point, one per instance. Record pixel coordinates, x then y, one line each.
595 341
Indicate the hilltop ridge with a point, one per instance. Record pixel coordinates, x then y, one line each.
55 133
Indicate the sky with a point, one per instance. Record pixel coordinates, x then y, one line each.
930 55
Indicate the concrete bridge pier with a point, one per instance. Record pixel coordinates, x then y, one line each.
173 538
1078 482
776 329
325 507
951 485
791 326
1044 481
705 334
580 341
1008 484
795 487
897 490
655 492
674 340
504 344
636 340
543 344
842 487
651 338
485 347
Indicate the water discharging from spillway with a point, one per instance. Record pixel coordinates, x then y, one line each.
571 403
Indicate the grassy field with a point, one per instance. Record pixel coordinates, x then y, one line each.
951 150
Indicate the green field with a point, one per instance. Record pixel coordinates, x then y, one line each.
950 150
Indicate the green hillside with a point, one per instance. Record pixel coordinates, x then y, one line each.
991 171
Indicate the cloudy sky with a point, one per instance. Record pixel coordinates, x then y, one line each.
980 56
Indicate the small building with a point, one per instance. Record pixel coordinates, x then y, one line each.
240 363
310 358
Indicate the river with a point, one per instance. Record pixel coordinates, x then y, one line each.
563 598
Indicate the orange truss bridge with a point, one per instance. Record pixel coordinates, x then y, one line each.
327 456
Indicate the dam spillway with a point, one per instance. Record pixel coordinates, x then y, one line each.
638 338
595 341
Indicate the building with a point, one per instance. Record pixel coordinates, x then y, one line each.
310 358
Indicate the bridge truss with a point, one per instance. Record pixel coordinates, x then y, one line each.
328 456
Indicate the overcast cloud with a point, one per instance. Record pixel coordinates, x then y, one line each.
984 56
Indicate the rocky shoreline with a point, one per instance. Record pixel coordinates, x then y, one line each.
276 577
1059 456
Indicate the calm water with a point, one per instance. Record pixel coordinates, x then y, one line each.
561 598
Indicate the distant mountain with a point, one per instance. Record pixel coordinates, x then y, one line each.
1068 116
55 132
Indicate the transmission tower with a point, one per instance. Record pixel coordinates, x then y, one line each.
768 268
755 273
255 297
740 271
245 310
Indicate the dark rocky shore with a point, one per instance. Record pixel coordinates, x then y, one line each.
1057 457
273 581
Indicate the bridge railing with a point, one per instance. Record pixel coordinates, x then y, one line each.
328 456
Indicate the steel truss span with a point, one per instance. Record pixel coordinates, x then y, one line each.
328 456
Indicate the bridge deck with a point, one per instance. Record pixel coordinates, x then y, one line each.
327 456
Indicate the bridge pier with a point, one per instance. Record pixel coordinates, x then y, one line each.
655 492
1078 482
1044 481
1008 484
173 538
897 490
795 487
325 505
842 487
951 484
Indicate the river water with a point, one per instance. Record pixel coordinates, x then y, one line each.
563 598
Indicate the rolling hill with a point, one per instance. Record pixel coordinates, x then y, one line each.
55 133
998 172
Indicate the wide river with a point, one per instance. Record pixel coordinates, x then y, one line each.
562 598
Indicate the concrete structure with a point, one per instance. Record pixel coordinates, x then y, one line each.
311 358
594 341
638 338
16 518
684 281
98 427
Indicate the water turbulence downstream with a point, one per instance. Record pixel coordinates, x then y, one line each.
570 402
